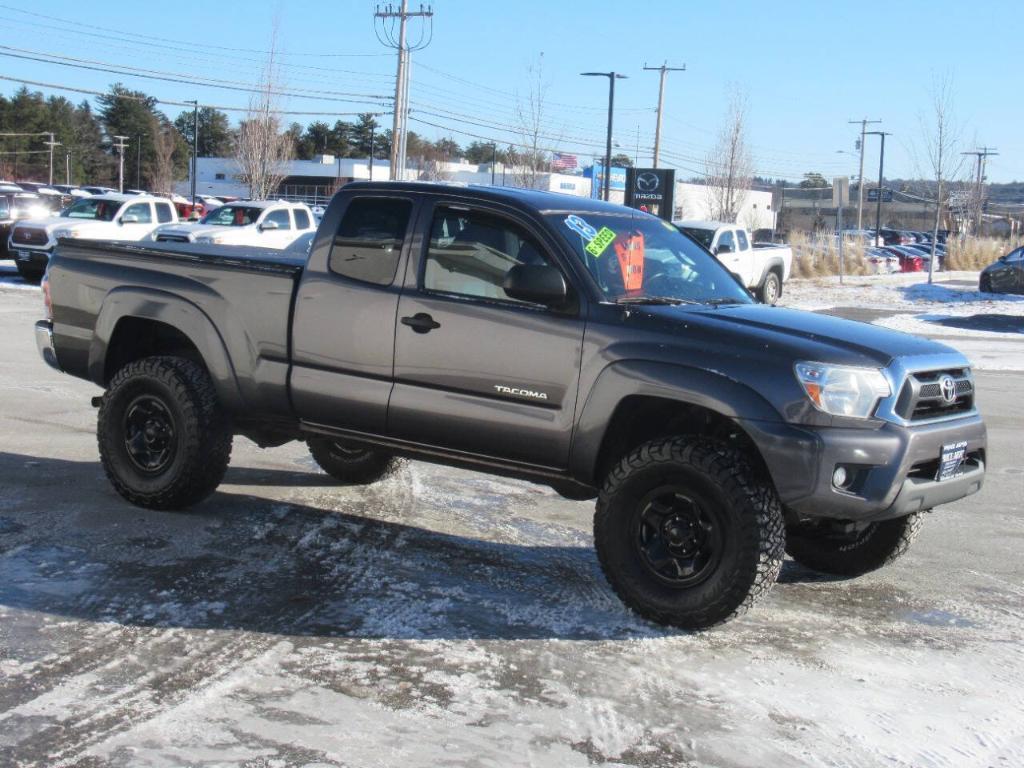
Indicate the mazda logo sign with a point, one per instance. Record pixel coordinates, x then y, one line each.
647 182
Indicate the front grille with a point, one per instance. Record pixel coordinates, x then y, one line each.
171 239
921 396
29 236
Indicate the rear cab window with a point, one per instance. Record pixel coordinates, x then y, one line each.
368 243
741 236
164 214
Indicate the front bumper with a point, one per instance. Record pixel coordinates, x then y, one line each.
44 342
34 258
895 466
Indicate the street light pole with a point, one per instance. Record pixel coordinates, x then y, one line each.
138 162
494 160
120 162
195 150
51 144
881 166
612 77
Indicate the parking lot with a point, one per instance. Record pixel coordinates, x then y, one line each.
444 617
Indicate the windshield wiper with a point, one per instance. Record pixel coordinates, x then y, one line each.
721 300
663 300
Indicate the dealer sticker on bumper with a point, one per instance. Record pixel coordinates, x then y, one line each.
24 255
952 459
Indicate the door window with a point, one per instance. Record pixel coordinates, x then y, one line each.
1015 256
726 239
301 219
164 213
741 236
471 252
140 212
369 239
281 217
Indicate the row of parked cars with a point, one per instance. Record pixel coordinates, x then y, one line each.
31 226
898 250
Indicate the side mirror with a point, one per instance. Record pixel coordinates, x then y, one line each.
723 249
536 283
269 225
130 218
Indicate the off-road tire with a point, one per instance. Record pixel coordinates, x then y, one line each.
28 274
202 442
745 505
771 289
876 546
985 284
350 463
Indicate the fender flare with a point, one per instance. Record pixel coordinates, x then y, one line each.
172 310
772 261
669 381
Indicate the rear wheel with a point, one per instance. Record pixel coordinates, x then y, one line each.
352 463
164 440
828 548
771 289
985 284
686 534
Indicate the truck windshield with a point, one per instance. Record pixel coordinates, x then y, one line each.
636 257
232 216
91 208
702 236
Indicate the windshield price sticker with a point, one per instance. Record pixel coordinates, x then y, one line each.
630 251
601 241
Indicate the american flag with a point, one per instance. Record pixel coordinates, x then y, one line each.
561 162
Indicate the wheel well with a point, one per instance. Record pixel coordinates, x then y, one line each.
136 337
640 419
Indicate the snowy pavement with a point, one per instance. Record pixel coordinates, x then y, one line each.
444 617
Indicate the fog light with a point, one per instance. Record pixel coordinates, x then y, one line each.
839 477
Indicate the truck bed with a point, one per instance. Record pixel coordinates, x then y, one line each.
242 296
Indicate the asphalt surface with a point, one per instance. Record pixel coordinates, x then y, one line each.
444 617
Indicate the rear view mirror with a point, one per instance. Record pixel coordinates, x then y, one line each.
536 283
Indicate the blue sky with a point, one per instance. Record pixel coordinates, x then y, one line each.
806 68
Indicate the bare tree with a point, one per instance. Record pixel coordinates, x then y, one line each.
941 137
531 159
165 142
262 147
729 167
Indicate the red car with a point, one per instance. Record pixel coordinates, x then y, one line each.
908 262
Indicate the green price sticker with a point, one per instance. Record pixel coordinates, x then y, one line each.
601 241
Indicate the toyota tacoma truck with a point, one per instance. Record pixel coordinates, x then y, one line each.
571 342
101 217
761 267
263 223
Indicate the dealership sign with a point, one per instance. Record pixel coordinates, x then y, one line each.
651 190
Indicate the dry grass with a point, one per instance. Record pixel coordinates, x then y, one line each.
977 252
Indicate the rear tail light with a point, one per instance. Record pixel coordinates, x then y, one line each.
47 300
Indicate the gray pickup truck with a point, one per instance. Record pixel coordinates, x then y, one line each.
570 342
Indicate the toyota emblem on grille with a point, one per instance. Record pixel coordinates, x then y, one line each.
948 387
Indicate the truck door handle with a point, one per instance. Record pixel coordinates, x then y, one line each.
421 322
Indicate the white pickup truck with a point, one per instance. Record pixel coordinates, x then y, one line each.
101 217
263 223
762 267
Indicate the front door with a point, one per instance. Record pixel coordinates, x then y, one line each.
475 370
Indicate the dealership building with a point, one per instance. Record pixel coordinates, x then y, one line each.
315 181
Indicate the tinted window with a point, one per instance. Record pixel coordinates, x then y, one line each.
5 208
742 237
702 236
98 210
163 213
141 213
281 217
301 219
233 216
470 253
726 239
1016 255
369 239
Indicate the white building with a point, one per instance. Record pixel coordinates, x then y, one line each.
314 181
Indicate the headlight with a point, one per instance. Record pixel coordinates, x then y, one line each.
843 390
59 233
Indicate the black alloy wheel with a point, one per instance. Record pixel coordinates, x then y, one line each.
678 536
150 438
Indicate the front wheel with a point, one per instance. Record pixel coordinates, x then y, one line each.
351 463
29 274
824 547
771 289
687 534
164 440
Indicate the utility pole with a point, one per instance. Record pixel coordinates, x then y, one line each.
612 77
120 164
372 129
981 156
195 152
664 69
860 178
494 160
51 144
138 162
881 166
67 168
387 15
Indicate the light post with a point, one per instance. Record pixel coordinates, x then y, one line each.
612 77
120 162
494 160
67 168
881 166
195 150
138 162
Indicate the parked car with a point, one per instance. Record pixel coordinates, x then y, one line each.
568 341
99 217
910 261
882 262
761 267
1004 276
15 206
895 237
94 190
264 223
